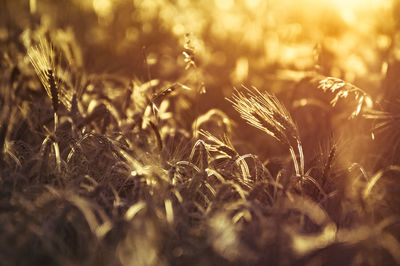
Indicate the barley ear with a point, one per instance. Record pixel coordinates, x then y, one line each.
42 58
265 112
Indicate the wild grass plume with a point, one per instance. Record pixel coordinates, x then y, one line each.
43 60
265 112
342 89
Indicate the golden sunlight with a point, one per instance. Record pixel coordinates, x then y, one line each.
359 4
102 7
212 132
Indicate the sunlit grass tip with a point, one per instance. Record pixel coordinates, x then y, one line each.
43 60
265 112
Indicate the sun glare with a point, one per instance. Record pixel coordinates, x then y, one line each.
359 4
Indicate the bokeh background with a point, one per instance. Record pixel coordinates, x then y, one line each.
252 42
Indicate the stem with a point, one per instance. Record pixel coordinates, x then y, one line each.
57 155
295 163
301 155
55 122
55 144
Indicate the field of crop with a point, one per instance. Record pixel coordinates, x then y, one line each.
207 132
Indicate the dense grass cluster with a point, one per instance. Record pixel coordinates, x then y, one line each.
161 161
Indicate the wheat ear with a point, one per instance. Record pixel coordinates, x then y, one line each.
265 112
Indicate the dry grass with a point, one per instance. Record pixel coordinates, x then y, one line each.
125 159
266 113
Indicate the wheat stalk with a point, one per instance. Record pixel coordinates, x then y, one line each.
43 60
265 112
